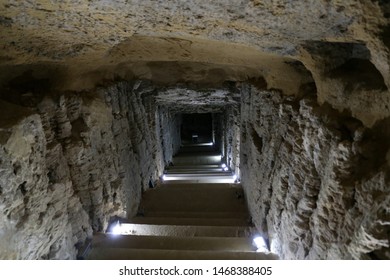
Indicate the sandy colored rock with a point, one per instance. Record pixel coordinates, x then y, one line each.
31 204
290 44
68 169
311 175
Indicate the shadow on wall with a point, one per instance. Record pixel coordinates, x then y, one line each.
359 74
26 84
348 62
385 36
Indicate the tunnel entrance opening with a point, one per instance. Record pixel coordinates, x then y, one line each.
196 128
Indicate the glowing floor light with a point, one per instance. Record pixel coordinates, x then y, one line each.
224 167
117 229
260 244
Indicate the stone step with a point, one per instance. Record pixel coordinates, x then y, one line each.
195 189
210 180
200 178
198 175
201 187
199 144
200 150
188 230
197 149
203 215
239 244
189 221
199 172
189 159
192 199
200 166
194 171
150 254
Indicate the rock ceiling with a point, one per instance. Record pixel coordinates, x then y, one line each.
79 44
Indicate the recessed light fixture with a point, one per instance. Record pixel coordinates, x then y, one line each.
260 244
117 229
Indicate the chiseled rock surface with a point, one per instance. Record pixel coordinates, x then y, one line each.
137 127
76 44
39 217
81 126
79 28
74 163
191 100
168 126
230 126
317 181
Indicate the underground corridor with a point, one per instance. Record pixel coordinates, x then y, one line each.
194 130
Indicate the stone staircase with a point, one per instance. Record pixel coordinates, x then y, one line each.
197 212
198 164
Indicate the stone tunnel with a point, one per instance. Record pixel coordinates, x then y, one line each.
96 98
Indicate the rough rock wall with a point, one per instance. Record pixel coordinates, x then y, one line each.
231 121
169 131
81 126
217 130
347 78
135 130
317 181
40 214
71 165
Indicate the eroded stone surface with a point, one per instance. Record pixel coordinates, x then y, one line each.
77 162
317 181
292 45
40 218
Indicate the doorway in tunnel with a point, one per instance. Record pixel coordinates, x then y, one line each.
196 128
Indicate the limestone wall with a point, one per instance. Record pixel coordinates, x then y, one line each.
169 124
317 181
75 162
231 122
40 214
